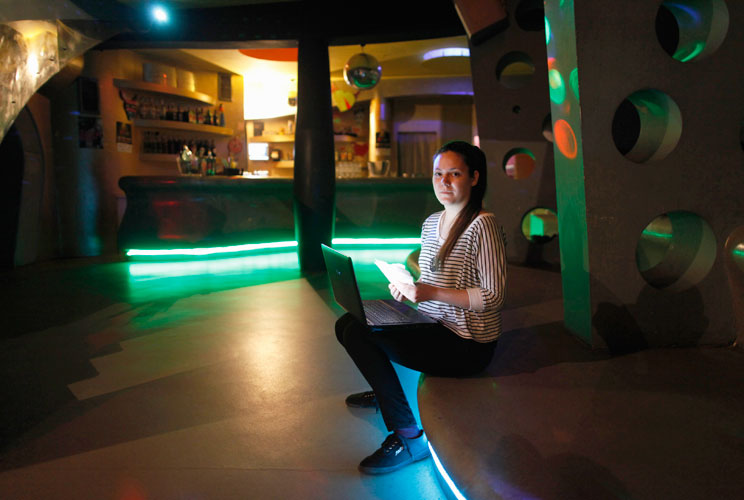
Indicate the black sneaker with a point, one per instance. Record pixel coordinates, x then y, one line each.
362 400
396 452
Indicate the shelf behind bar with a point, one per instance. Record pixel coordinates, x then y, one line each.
174 125
158 157
272 138
165 90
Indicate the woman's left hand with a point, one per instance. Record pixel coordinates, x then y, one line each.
418 292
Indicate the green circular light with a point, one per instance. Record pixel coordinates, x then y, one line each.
557 87
573 82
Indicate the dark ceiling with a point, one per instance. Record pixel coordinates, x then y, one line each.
277 23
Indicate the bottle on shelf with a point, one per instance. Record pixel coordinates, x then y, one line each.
185 159
162 110
222 116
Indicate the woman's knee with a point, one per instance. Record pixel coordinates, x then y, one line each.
342 324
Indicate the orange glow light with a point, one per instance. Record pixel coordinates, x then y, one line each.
565 139
288 55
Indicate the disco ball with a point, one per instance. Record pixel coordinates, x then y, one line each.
362 71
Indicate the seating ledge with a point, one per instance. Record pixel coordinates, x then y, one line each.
552 419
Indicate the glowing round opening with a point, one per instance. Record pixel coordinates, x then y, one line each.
690 30
530 15
519 163
647 126
737 254
515 70
676 251
540 225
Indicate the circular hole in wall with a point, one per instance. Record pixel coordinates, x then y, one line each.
519 163
690 30
530 15
540 225
646 126
737 255
547 128
676 251
514 70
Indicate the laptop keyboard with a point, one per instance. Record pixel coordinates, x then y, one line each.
379 313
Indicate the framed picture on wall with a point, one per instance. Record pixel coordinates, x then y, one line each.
224 87
88 100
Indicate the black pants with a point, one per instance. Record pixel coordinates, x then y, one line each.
432 349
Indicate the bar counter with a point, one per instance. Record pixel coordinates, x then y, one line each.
203 212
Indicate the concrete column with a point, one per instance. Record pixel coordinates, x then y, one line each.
314 171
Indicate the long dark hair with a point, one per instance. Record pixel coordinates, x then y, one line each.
475 159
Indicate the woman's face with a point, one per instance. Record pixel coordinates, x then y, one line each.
452 180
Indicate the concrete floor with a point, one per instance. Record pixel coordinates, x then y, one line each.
222 379
189 381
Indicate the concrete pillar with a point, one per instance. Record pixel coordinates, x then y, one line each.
314 171
648 167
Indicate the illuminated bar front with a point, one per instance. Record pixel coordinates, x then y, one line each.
211 216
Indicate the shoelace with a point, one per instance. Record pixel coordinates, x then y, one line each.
391 444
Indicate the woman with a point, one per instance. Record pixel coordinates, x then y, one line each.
462 285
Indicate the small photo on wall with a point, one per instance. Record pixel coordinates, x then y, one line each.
90 132
124 137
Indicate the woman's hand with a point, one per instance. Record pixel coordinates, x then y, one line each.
418 292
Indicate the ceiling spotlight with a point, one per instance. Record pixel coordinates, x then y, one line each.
159 14
447 52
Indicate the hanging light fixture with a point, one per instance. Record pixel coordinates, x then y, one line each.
362 71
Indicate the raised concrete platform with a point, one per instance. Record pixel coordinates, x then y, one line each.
553 420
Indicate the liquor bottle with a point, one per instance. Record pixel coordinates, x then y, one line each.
184 160
222 116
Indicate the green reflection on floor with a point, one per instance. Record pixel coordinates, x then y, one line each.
153 280
157 280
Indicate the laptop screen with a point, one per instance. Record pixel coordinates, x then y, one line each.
343 282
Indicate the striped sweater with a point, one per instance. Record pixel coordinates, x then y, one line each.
477 264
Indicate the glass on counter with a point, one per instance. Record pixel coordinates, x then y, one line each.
349 169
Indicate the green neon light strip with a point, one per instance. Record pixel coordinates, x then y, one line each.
213 250
376 241
199 252
739 253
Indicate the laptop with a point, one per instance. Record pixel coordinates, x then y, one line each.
388 313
